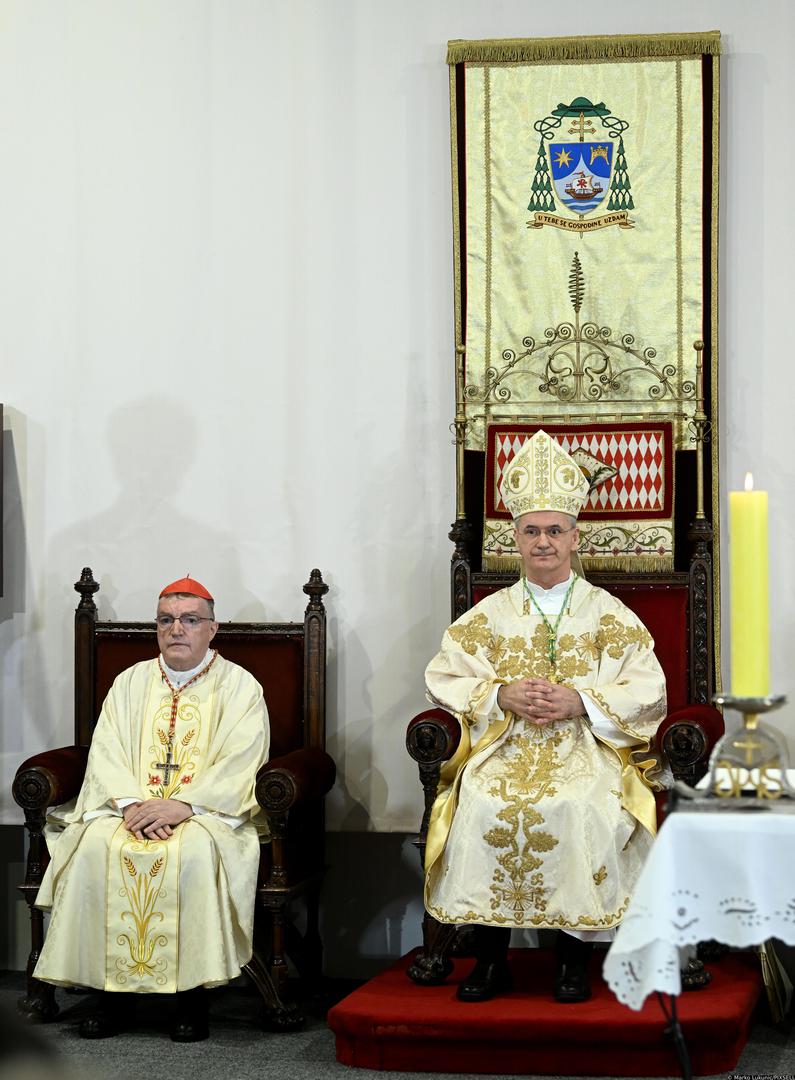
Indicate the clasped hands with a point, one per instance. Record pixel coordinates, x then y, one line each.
540 701
155 818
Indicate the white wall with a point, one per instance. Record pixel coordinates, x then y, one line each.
226 332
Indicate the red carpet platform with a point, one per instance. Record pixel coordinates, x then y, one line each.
389 1023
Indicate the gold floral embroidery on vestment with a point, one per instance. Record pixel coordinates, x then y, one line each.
166 785
142 887
584 920
569 667
615 637
517 882
472 634
518 657
480 690
530 764
602 702
588 647
600 875
541 921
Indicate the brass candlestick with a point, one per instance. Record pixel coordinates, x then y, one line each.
749 755
753 760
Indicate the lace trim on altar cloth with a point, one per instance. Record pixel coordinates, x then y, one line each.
648 953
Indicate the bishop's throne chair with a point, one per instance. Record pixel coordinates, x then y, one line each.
674 599
288 659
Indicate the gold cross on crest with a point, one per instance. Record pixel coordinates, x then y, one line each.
582 127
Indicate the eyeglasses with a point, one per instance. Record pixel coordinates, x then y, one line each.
189 622
554 532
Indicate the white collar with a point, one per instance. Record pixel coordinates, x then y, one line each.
557 592
179 678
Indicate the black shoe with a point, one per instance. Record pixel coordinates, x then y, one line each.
190 1017
103 1021
572 968
572 981
186 1031
485 980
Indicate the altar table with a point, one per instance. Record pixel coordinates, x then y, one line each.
727 876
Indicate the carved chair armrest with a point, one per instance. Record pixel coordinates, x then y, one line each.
687 737
301 776
50 778
432 737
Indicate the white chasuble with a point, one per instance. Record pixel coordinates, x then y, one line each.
544 826
160 916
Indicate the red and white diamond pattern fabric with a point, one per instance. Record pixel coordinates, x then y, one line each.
627 521
638 485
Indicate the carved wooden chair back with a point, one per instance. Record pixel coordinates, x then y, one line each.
287 659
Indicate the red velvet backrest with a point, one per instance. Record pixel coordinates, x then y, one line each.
272 653
663 608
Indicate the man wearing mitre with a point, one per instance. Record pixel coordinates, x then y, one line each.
545 813
153 867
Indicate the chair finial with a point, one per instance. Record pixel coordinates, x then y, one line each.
86 586
315 588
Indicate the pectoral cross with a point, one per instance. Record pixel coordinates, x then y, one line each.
168 766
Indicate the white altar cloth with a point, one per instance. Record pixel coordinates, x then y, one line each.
727 876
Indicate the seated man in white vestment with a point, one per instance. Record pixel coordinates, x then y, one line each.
545 813
153 867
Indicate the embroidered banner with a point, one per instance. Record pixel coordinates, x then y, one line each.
627 520
585 199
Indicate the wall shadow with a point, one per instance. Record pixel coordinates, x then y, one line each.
151 533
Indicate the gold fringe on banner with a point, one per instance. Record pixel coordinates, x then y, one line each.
615 564
597 47
631 564
502 564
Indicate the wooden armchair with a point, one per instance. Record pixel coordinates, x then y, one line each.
288 660
677 610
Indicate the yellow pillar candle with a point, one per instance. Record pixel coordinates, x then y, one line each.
749 592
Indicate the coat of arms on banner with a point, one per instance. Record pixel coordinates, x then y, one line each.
581 169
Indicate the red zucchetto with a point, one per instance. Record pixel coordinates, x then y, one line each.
189 586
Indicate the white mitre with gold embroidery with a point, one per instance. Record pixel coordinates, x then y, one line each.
543 476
